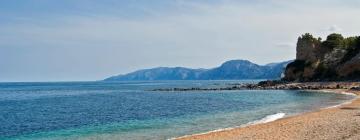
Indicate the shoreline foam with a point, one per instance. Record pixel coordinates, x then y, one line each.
259 122
340 92
266 119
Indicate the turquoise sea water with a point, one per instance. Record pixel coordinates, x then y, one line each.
128 110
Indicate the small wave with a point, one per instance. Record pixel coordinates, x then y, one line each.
332 91
345 103
348 93
266 119
269 118
335 106
341 104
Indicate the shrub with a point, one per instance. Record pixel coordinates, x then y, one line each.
352 45
333 41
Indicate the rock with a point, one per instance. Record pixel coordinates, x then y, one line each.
307 48
355 88
333 58
351 67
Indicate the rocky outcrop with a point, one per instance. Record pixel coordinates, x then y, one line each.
307 48
333 58
336 58
350 68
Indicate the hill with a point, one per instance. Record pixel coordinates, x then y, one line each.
230 70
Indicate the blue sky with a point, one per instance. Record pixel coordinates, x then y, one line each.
71 40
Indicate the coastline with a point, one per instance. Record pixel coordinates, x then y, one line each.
335 122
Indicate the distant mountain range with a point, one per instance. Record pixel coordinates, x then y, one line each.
230 70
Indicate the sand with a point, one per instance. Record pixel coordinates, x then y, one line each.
336 123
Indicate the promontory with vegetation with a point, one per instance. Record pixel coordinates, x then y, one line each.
335 59
330 64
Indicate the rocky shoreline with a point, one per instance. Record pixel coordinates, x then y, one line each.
275 85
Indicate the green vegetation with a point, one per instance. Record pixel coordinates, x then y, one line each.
324 72
334 41
352 46
307 37
338 41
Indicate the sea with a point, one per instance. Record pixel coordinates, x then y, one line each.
131 110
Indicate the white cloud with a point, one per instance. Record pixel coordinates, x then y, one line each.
334 29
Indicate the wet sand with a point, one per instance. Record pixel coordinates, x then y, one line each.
338 123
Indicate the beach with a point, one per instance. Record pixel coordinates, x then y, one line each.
340 122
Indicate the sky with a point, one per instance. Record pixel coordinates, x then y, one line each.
84 40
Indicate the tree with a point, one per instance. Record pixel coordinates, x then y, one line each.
334 41
357 44
352 46
350 43
308 37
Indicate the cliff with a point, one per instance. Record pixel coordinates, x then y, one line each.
336 58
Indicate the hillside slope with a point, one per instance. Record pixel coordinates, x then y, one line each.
230 70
